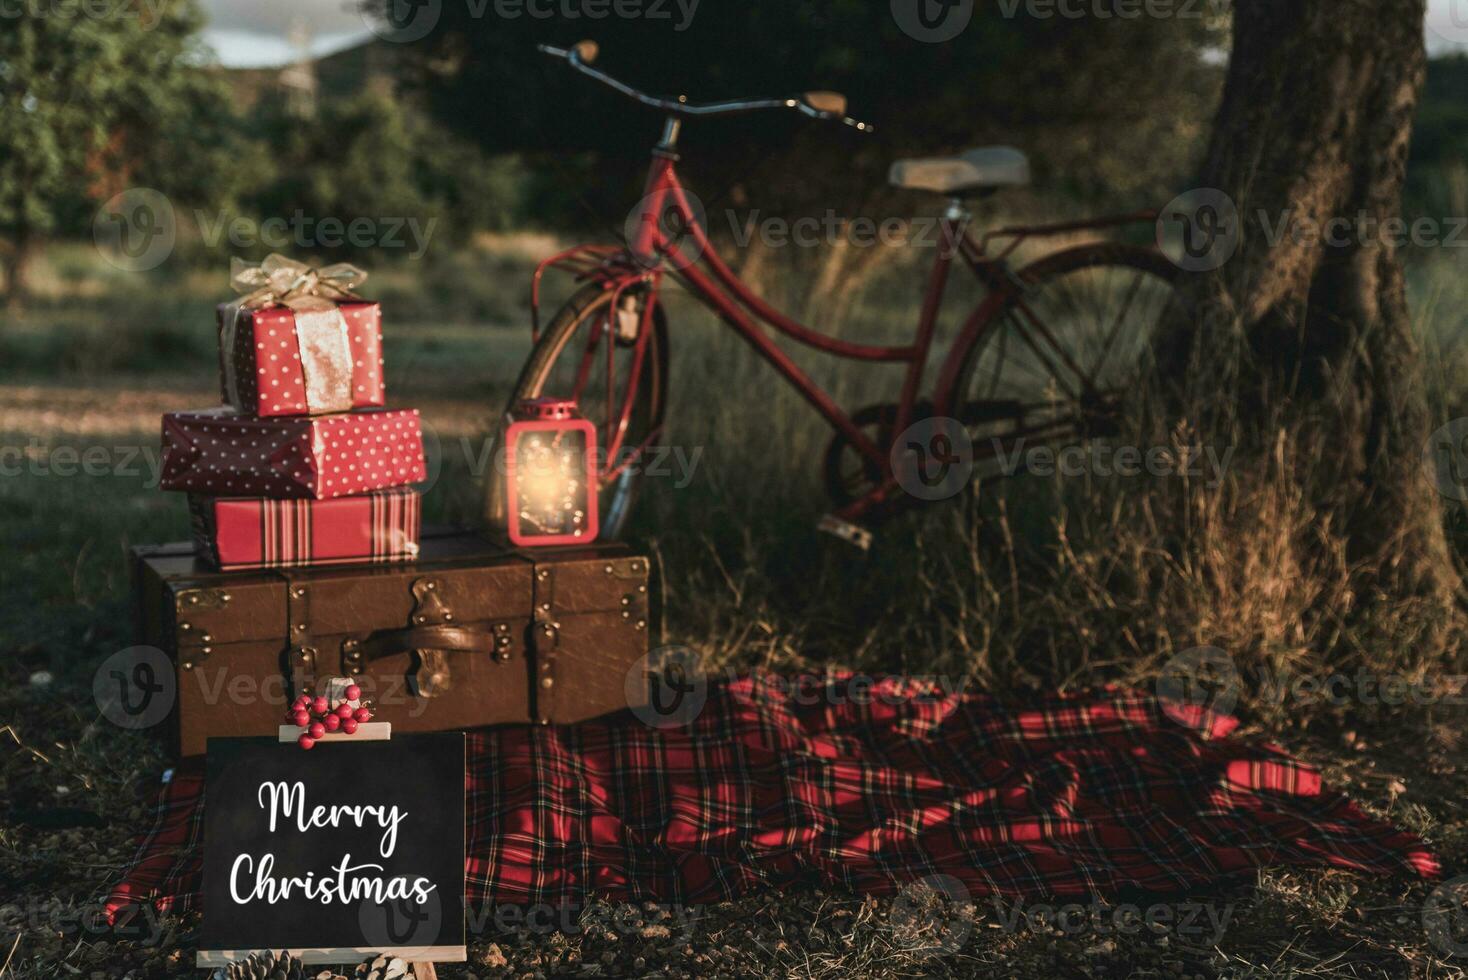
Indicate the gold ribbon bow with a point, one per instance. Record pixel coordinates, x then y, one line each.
279 281
321 330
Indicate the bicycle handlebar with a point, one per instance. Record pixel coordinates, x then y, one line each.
816 105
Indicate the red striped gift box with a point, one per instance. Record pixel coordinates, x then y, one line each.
256 532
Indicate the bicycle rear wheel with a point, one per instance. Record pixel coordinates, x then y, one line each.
1059 363
571 361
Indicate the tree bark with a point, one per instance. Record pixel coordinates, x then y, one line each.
17 261
1306 326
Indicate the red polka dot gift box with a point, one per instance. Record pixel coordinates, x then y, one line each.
236 533
279 361
219 452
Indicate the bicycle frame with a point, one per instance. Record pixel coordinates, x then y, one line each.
651 250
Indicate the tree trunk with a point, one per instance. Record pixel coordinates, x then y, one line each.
17 260
1306 326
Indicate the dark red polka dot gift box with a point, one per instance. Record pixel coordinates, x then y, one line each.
216 451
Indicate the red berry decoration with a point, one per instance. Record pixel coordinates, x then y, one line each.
305 741
353 692
350 726
333 722
319 706
301 718
362 714
317 729
343 711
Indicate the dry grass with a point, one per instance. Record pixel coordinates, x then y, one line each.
1022 585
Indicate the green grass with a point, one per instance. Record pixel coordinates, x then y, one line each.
1029 584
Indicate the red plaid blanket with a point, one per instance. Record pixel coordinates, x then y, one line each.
866 789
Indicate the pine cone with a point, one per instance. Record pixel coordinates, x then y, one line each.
263 966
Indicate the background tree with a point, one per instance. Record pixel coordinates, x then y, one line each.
1059 87
1309 335
87 101
376 156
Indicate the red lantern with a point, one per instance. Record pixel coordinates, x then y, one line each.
550 455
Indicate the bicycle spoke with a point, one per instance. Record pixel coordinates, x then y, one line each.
1045 334
1110 338
1082 325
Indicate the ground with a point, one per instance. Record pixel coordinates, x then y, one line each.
97 367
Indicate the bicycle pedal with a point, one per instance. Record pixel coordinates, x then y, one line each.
853 534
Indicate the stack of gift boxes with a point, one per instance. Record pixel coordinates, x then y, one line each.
302 465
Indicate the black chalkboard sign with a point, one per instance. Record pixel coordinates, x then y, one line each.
350 848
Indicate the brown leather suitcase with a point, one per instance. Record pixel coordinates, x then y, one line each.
472 633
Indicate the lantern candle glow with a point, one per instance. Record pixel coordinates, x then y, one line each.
551 471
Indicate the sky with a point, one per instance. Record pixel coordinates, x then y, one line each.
254 33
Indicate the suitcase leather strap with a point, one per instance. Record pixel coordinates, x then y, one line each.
430 638
454 639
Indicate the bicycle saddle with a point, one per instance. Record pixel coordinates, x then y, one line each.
972 171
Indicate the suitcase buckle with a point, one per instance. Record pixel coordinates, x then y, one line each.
431 674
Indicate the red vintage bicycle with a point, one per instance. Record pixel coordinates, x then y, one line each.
1048 355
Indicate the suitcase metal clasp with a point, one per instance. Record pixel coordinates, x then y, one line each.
432 677
432 634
